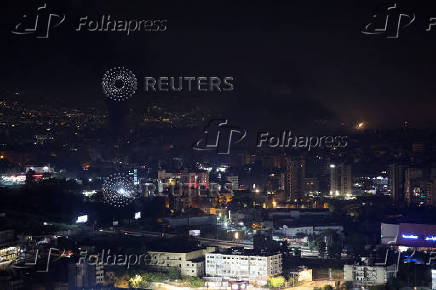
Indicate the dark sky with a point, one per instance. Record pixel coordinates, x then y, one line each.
295 62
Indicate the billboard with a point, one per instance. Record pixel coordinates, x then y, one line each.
82 219
194 233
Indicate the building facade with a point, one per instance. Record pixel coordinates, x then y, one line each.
396 181
243 265
340 180
366 275
189 263
82 275
294 178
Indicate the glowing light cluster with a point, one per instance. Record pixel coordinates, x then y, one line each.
119 84
82 219
431 238
119 189
409 236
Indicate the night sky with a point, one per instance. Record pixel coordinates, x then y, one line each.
296 63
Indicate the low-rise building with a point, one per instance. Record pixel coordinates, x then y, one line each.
191 220
189 263
308 230
251 265
408 234
9 248
366 274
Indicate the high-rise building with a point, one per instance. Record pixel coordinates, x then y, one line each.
312 186
275 182
431 199
340 180
396 181
83 275
419 186
413 185
294 177
319 168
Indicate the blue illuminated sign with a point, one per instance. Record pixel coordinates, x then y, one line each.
409 236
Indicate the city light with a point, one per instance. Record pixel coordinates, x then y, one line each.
431 238
274 204
13 179
288 174
89 193
194 233
82 219
360 125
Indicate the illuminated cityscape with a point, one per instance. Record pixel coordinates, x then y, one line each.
217 145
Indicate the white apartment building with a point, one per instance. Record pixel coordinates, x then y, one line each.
189 263
292 231
243 265
366 276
